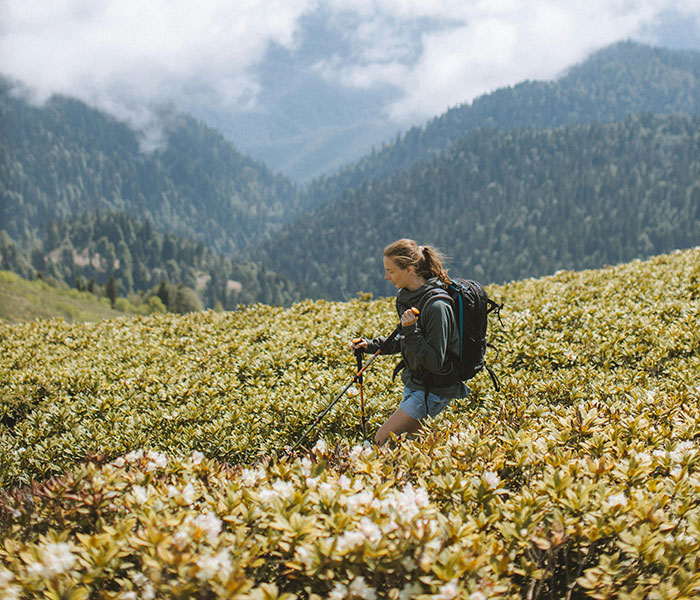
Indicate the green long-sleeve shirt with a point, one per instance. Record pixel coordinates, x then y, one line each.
424 344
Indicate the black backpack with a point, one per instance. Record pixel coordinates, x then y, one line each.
471 306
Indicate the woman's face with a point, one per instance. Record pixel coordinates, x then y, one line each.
398 276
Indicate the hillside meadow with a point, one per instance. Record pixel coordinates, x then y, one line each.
139 456
23 300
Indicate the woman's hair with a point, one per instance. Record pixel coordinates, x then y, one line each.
425 260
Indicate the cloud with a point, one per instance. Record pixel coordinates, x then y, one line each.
130 56
117 55
467 49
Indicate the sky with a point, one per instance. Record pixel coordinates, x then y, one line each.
129 56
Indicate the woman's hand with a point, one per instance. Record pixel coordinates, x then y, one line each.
358 344
409 317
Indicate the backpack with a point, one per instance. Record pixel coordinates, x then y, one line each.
471 306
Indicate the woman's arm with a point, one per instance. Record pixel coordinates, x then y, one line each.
427 346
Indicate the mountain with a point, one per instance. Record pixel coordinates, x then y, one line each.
65 158
509 205
302 125
622 79
480 170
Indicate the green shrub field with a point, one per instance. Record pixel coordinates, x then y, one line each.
139 456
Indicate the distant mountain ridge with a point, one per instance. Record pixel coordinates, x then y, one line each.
507 205
622 79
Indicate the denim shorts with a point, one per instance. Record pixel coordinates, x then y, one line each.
414 405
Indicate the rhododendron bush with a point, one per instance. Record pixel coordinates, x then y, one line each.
139 458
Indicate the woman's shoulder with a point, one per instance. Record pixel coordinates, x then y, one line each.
436 301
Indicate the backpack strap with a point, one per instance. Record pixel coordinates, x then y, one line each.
429 296
496 382
494 307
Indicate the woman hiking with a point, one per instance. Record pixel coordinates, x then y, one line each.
424 342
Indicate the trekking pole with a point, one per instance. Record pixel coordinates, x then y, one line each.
290 449
358 356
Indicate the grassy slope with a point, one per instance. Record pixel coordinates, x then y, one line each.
579 479
22 300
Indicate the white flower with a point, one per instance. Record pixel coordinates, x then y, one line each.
344 482
390 526
197 457
676 456
326 488
156 460
491 479
189 493
181 539
148 592
5 577
321 446
212 564
617 500
359 588
267 495
312 483
140 494
284 489
134 455
449 591
209 524
477 596
352 391
408 502
249 477
338 592
358 500
119 462
350 540
304 556
280 490
358 450
306 465
643 457
370 530
56 558
11 592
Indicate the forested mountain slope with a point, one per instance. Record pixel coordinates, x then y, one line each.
65 158
92 248
622 79
508 205
504 202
